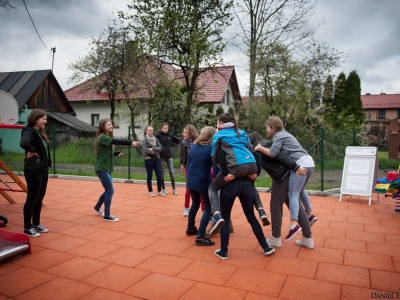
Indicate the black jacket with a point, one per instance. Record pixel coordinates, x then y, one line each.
31 141
277 167
167 140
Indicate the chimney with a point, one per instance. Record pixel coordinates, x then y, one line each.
368 94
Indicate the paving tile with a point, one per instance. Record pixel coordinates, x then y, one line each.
200 291
242 243
128 257
22 280
116 278
94 249
385 281
378 248
305 288
376 215
103 294
383 229
70 216
64 243
208 272
248 259
289 249
372 261
165 264
43 260
78 268
345 244
391 223
396 262
78 230
343 274
365 236
292 266
332 232
255 296
106 236
169 247
345 225
201 253
392 239
158 286
261 282
8 267
144 229
136 241
345 212
324 254
363 220
59 288
355 292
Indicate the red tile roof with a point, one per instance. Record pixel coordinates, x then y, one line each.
380 101
211 86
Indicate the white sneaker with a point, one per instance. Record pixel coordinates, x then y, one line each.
152 194
174 192
165 192
185 212
274 242
305 242
161 194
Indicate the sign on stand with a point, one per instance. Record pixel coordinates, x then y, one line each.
359 172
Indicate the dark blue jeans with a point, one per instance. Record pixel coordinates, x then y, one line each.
106 197
150 166
196 199
36 182
242 188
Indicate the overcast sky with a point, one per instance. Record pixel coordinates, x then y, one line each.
368 30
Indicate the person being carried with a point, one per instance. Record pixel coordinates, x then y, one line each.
284 141
240 161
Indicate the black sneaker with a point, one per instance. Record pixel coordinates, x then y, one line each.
99 211
268 251
31 232
263 217
204 241
41 228
192 231
220 254
110 218
217 223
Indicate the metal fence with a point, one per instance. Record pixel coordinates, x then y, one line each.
73 153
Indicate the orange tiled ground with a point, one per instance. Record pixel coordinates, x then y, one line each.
148 256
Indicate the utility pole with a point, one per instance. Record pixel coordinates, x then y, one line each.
52 64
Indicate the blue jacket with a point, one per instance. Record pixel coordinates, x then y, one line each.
199 168
237 149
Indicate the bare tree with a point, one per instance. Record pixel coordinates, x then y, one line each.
265 22
7 6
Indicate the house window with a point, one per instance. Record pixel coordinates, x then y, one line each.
116 121
398 114
382 114
95 120
364 115
228 94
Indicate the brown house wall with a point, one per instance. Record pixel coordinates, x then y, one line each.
50 97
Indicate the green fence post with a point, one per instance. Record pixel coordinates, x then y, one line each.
322 158
129 154
54 149
354 138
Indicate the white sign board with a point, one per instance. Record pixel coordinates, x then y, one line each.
360 171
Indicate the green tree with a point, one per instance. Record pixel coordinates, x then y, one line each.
183 33
339 102
354 109
327 100
316 94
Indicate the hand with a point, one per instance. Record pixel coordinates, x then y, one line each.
257 147
120 154
31 154
182 168
150 149
229 177
252 176
135 144
301 171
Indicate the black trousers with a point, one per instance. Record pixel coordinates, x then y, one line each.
36 181
280 195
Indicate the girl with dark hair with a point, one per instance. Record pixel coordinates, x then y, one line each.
167 140
103 147
36 170
189 134
239 161
151 155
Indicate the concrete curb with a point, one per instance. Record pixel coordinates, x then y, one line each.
327 193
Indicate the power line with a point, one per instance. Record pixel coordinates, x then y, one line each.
34 25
